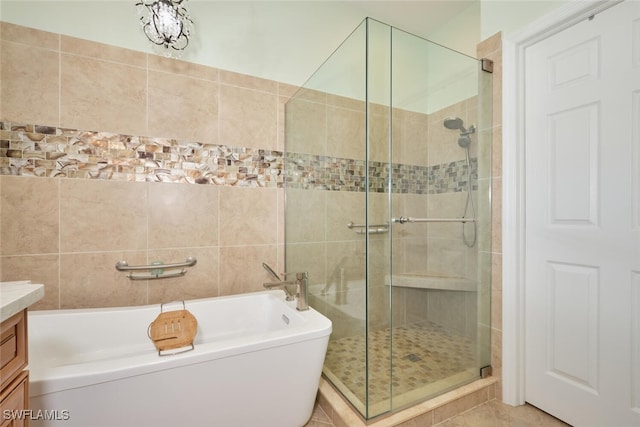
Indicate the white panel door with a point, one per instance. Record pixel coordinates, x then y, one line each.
582 260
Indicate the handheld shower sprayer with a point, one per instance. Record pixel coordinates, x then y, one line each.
464 141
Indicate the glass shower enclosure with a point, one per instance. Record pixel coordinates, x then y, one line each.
387 190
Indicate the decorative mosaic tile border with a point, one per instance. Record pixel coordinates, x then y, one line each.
45 151
57 152
336 174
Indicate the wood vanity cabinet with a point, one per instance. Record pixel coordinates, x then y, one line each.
14 379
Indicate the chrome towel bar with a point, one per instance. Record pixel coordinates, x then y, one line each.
372 229
405 219
156 270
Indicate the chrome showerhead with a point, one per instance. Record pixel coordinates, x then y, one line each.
454 123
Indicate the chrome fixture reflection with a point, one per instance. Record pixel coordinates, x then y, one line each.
167 24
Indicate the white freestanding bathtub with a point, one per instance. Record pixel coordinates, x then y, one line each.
257 362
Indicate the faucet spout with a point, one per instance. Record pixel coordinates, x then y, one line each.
290 296
301 283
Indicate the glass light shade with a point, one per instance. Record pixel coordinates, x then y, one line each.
166 24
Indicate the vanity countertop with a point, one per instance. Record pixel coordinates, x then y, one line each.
16 296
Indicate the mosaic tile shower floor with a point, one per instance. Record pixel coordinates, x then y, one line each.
423 353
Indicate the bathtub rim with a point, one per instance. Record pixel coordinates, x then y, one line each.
51 379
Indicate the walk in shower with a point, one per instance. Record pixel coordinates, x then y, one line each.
387 208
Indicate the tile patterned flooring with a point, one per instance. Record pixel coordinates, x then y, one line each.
319 418
423 353
491 414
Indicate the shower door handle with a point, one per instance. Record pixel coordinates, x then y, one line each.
406 219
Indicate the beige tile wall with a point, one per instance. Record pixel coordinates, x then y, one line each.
55 80
69 233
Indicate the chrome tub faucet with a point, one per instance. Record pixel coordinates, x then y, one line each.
301 282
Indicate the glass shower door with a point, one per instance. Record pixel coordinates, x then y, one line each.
368 146
378 214
440 232
326 206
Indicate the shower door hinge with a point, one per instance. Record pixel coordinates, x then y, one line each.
486 371
487 65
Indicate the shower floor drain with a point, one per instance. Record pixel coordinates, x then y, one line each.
412 358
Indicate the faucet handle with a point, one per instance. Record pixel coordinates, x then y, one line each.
270 270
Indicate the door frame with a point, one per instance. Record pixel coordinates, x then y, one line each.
513 184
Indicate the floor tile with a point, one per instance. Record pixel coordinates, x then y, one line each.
491 414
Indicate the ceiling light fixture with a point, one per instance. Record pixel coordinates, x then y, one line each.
167 24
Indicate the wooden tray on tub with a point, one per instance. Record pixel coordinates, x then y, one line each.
173 331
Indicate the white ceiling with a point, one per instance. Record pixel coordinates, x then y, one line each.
421 18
